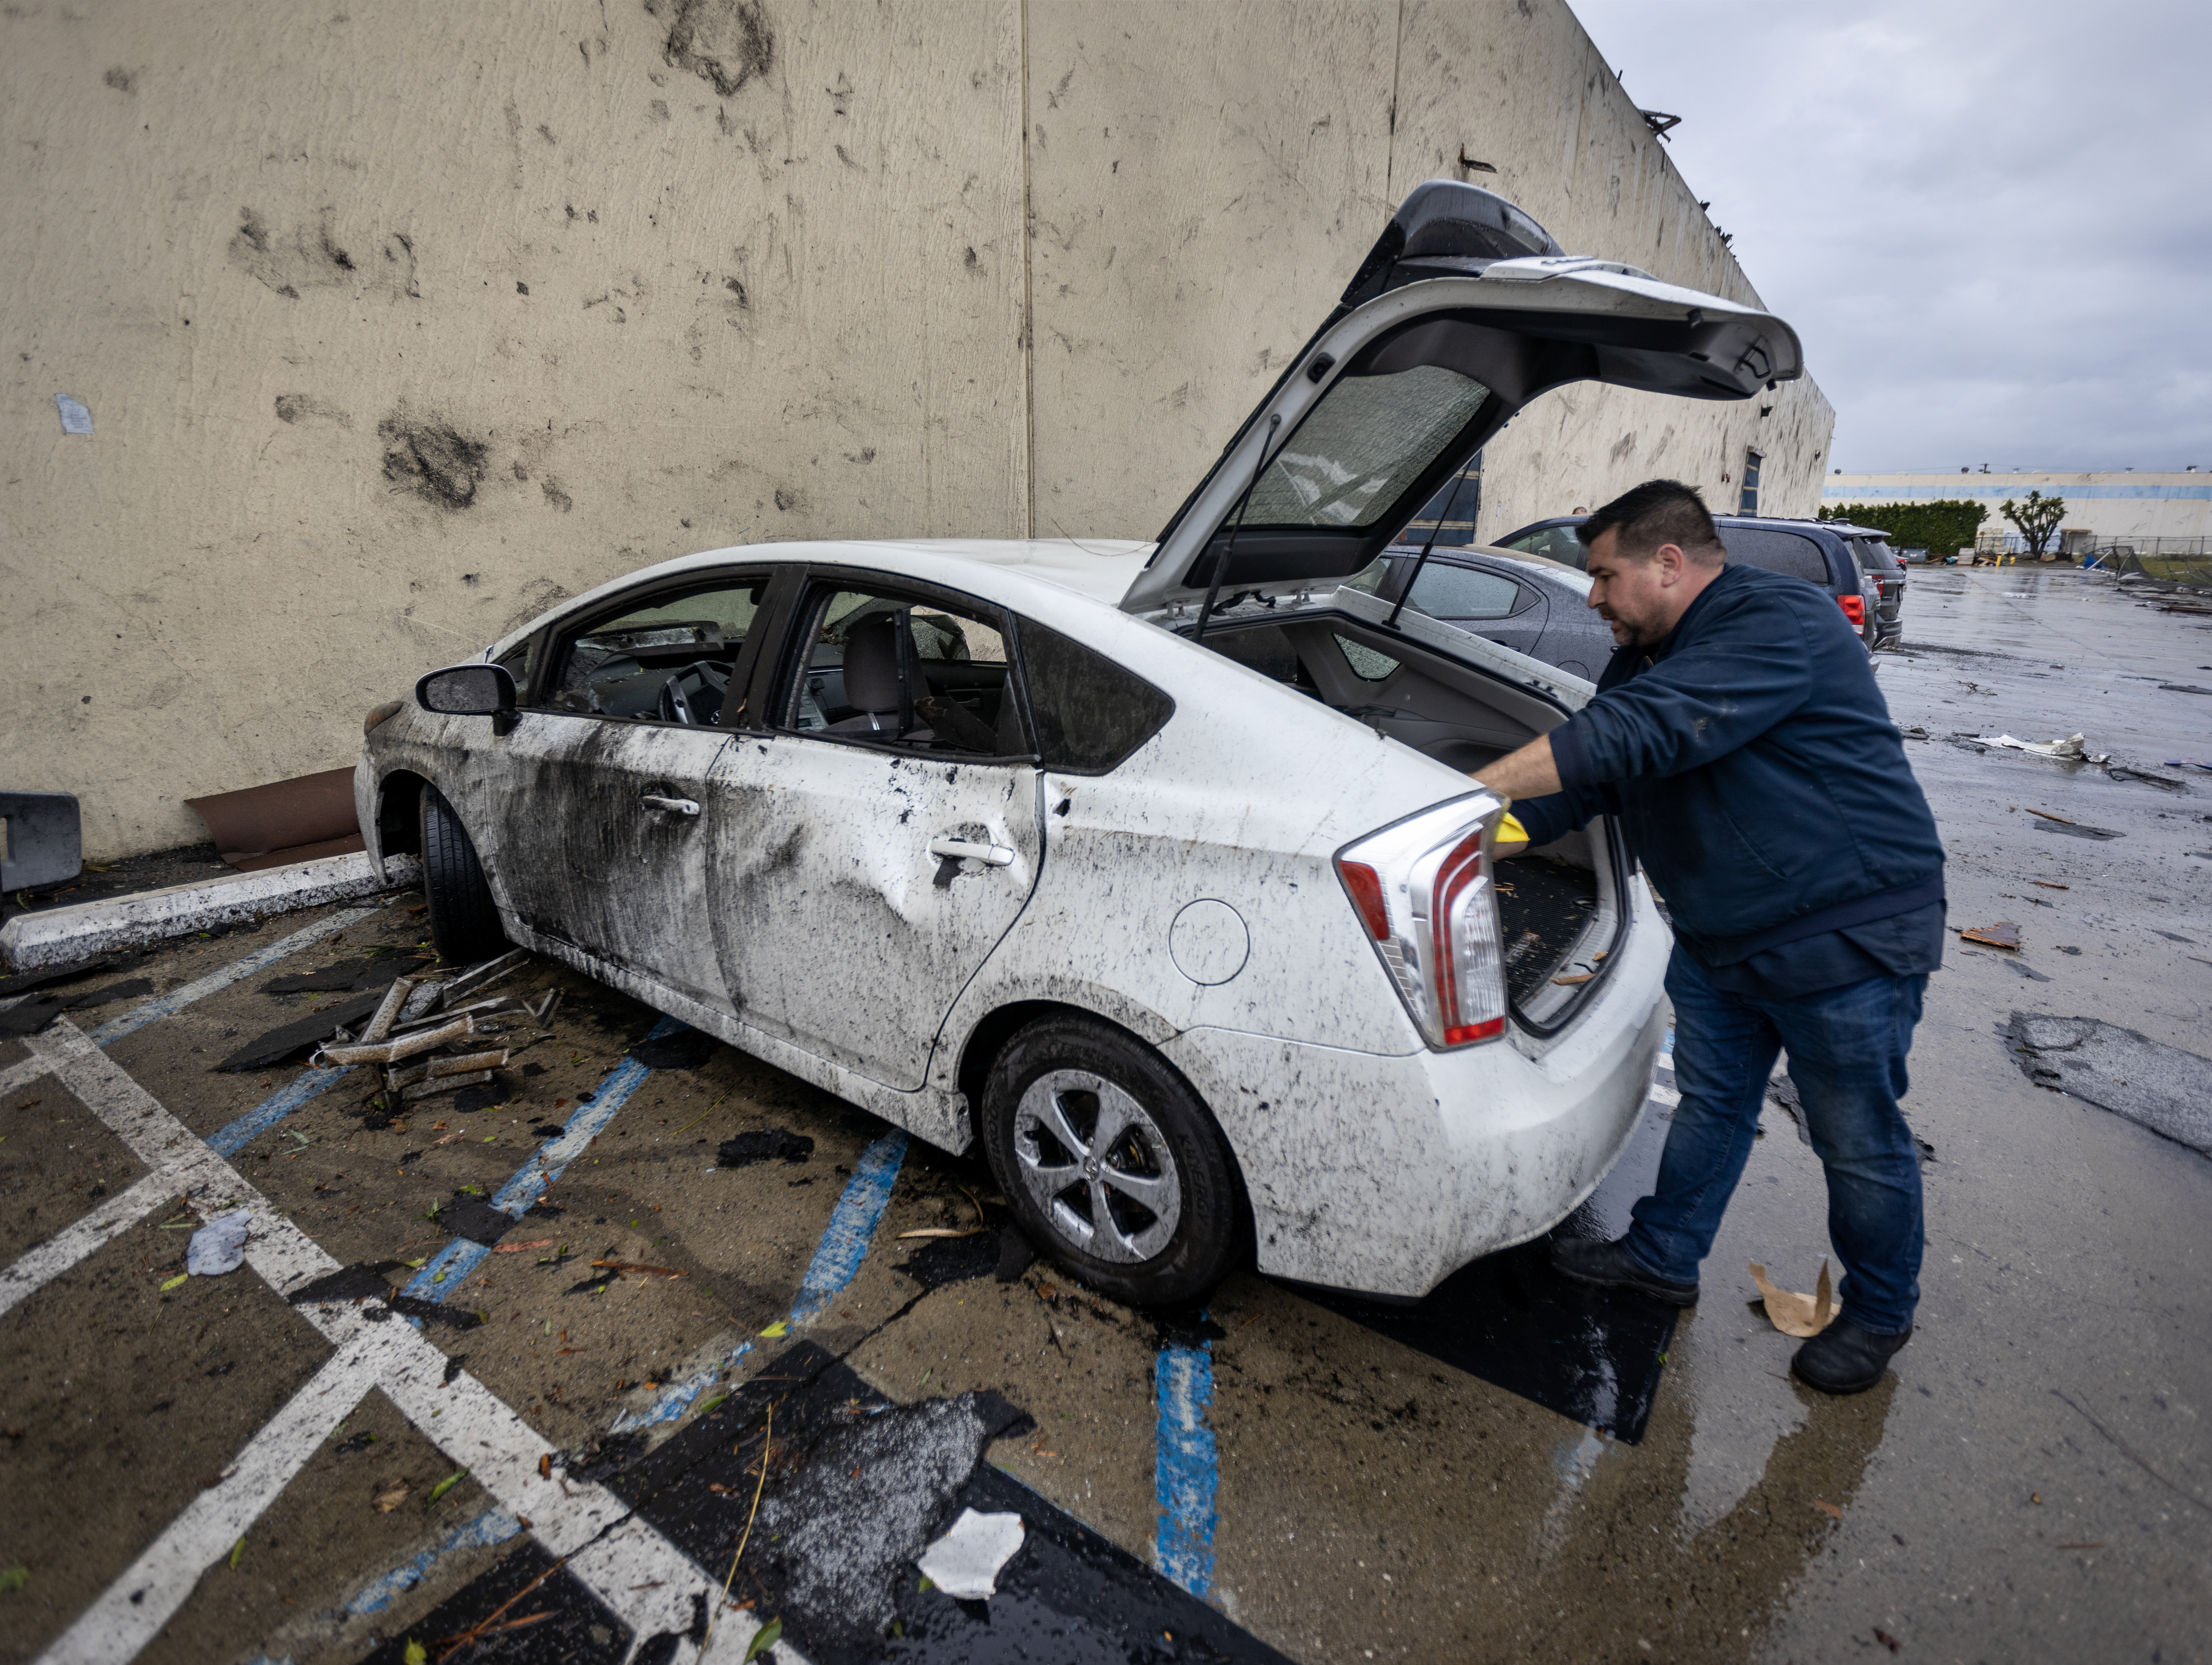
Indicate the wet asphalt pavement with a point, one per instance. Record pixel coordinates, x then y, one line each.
1511 1471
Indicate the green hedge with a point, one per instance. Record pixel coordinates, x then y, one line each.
1943 527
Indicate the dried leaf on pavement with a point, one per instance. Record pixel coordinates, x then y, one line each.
1794 1314
391 1499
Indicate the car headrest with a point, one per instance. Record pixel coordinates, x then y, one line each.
871 667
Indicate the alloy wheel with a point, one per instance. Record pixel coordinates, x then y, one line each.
1096 1165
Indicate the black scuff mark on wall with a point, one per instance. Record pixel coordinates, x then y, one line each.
121 79
433 459
305 257
725 43
298 407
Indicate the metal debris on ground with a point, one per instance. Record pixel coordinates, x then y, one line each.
2072 750
219 1246
1794 1314
965 1562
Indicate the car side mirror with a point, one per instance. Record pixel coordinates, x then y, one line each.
470 690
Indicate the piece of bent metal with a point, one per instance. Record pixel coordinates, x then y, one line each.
481 976
391 1052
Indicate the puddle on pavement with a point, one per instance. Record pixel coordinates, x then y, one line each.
1592 1355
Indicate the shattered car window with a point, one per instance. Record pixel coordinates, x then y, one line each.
669 661
1090 712
896 670
1360 449
1366 664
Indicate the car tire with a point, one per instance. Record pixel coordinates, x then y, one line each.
1162 1174
464 922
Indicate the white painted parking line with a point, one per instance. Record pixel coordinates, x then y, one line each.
132 1610
73 1242
178 998
642 1578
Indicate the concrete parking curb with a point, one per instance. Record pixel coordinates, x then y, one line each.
31 942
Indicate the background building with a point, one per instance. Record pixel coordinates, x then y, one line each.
396 322
2155 512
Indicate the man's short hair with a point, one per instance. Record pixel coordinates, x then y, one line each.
1658 512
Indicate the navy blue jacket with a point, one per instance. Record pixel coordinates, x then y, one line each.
1752 762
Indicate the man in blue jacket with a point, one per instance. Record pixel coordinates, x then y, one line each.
1739 739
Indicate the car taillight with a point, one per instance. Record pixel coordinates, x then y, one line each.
1854 607
1423 891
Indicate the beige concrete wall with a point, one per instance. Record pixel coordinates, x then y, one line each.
398 320
2110 504
1205 179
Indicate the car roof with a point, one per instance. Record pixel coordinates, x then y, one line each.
1097 570
1520 557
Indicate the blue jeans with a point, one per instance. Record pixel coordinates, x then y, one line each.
1847 1049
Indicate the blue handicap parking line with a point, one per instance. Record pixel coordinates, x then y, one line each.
447 1270
308 1084
852 1227
836 1261
1185 1472
494 1526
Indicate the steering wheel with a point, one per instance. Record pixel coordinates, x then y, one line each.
677 705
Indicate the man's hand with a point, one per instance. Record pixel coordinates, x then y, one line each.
1510 837
1528 772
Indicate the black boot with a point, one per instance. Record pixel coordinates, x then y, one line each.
1844 1358
1609 1265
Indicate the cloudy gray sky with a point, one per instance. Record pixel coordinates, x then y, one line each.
1991 222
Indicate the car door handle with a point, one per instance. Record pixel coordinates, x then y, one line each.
680 806
959 849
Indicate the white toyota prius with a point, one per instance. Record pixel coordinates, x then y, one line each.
1155 867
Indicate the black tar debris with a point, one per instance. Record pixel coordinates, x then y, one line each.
764 1145
300 1035
685 1050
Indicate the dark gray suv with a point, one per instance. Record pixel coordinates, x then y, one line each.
1855 564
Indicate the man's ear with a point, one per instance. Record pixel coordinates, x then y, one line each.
1671 563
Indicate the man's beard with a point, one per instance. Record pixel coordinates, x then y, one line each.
1626 634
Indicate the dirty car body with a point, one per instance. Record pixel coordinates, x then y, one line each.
1154 868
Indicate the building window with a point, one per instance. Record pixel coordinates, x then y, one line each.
1747 501
1451 514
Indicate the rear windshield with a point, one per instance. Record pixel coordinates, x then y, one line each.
1362 448
1874 555
1787 552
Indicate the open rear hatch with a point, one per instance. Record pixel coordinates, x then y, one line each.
1464 312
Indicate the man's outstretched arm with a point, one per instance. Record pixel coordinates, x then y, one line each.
1530 772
